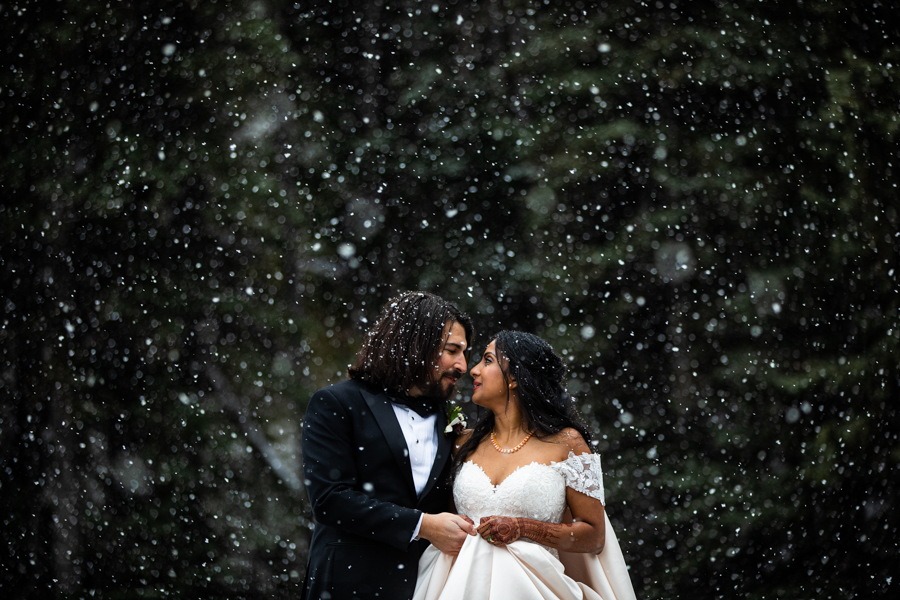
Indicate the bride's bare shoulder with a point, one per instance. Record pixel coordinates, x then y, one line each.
569 440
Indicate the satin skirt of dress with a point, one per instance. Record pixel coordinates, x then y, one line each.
524 571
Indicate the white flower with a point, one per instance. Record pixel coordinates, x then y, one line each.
456 417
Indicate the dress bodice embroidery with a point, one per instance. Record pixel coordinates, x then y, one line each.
534 491
525 570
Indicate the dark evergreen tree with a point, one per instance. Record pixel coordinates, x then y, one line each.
150 305
693 202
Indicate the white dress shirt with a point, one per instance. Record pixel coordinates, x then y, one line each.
421 442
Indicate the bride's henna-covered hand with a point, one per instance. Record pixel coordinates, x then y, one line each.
500 531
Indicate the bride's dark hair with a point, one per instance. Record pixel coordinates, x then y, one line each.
545 404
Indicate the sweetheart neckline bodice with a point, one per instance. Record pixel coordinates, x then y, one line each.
513 472
534 491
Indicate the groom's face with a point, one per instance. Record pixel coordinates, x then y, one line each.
450 365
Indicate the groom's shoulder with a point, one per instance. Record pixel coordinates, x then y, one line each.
349 389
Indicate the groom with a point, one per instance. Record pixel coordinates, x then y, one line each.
376 459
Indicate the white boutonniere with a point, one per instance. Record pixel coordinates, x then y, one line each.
456 420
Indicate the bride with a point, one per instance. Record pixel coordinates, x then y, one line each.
527 477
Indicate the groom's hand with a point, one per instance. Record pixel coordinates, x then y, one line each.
446 531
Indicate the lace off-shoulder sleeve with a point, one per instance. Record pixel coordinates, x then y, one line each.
583 474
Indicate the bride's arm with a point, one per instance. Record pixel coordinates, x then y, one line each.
587 533
460 440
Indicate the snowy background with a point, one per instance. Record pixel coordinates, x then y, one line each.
203 205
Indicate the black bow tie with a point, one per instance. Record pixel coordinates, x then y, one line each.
425 407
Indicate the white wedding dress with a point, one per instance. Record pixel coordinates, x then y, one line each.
525 570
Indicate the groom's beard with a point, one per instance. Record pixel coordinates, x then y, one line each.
443 388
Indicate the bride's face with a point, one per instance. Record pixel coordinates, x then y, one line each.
490 387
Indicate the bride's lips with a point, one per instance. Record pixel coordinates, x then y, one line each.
476 385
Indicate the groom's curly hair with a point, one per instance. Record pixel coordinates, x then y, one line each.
402 348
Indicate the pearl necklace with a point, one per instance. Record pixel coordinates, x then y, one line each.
510 450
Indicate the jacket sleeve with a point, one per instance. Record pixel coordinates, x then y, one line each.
334 485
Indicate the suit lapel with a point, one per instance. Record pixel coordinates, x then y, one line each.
444 448
387 422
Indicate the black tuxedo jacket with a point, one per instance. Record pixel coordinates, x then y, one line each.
358 476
